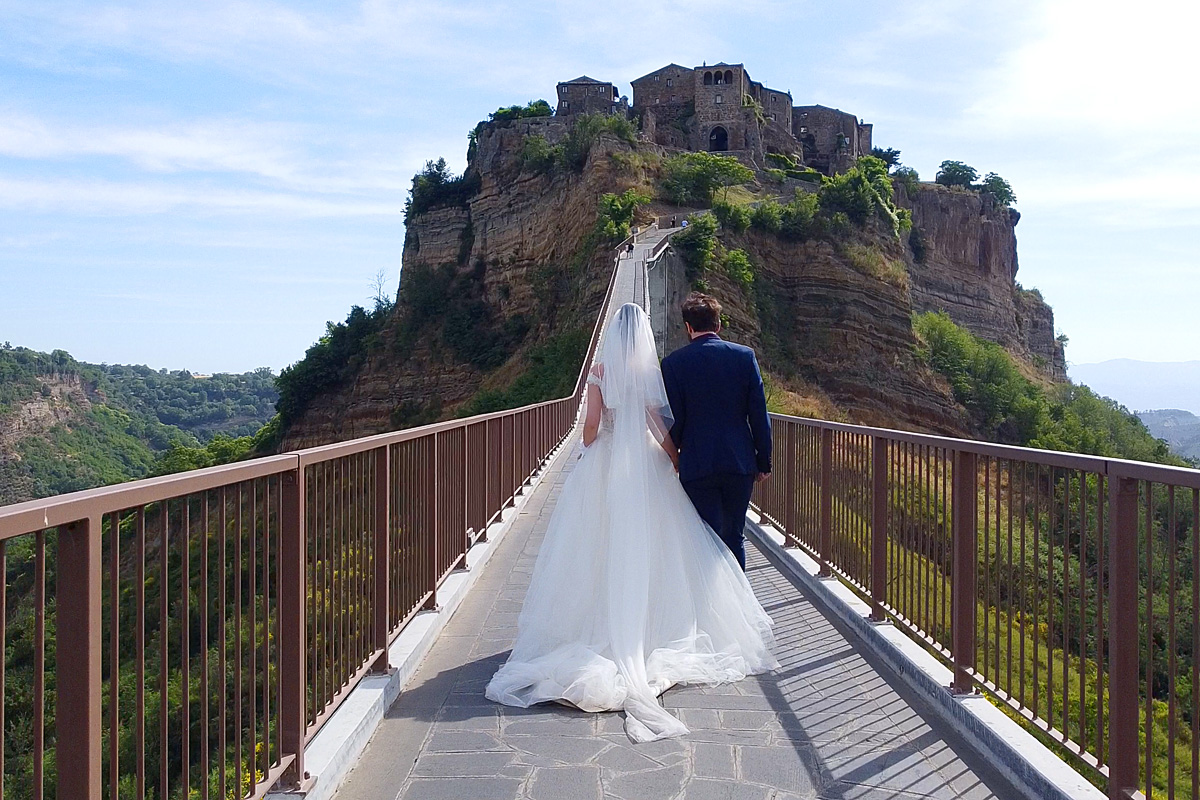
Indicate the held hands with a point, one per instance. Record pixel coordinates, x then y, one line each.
762 476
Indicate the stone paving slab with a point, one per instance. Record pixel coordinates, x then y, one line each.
825 725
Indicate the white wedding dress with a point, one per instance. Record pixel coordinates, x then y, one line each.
632 592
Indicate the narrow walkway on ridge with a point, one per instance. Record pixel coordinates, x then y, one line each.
825 725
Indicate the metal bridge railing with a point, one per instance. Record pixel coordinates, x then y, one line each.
188 635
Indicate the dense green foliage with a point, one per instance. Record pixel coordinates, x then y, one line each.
436 187
890 156
909 179
956 173
95 425
616 213
552 372
534 108
692 179
697 244
571 154
855 197
334 358
732 216
1008 407
737 266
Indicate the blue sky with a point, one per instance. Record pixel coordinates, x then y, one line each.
203 185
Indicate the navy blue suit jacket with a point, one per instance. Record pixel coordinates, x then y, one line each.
721 425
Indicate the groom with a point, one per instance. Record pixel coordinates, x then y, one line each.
721 426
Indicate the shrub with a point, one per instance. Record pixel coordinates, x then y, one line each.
767 216
435 186
797 219
537 155
694 178
777 175
616 212
737 266
697 243
534 108
909 179
733 217
586 130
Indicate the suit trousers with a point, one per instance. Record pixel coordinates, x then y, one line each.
722 501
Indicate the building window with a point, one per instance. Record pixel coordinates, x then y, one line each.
656 79
729 76
774 117
656 101
708 79
719 99
803 129
668 81
566 103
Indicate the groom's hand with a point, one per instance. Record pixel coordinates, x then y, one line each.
762 476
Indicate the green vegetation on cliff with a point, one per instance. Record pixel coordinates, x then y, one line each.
1008 407
86 425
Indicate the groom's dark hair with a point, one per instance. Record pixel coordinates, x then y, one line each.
702 312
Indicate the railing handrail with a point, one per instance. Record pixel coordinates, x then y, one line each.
1186 477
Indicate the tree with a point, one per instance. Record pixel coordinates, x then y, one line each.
956 173
999 189
909 179
890 156
694 178
617 210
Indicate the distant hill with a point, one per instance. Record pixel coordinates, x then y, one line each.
66 425
1141 385
1180 429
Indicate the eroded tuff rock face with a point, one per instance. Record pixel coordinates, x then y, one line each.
969 271
818 317
517 265
512 267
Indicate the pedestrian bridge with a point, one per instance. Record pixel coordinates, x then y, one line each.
954 619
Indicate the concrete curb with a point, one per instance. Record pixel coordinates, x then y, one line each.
334 751
1032 768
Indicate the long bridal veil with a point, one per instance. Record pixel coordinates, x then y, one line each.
632 593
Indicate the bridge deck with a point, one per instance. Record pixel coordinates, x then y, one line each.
826 725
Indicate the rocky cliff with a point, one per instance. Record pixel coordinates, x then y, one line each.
502 284
513 273
968 269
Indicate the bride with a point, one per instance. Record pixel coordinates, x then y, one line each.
632 592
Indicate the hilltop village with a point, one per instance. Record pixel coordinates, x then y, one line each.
719 108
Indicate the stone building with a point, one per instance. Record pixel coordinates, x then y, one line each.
586 95
720 108
832 139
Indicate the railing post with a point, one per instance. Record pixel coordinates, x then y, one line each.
383 555
966 567
78 668
293 649
789 451
431 578
1123 768
481 535
825 546
879 452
